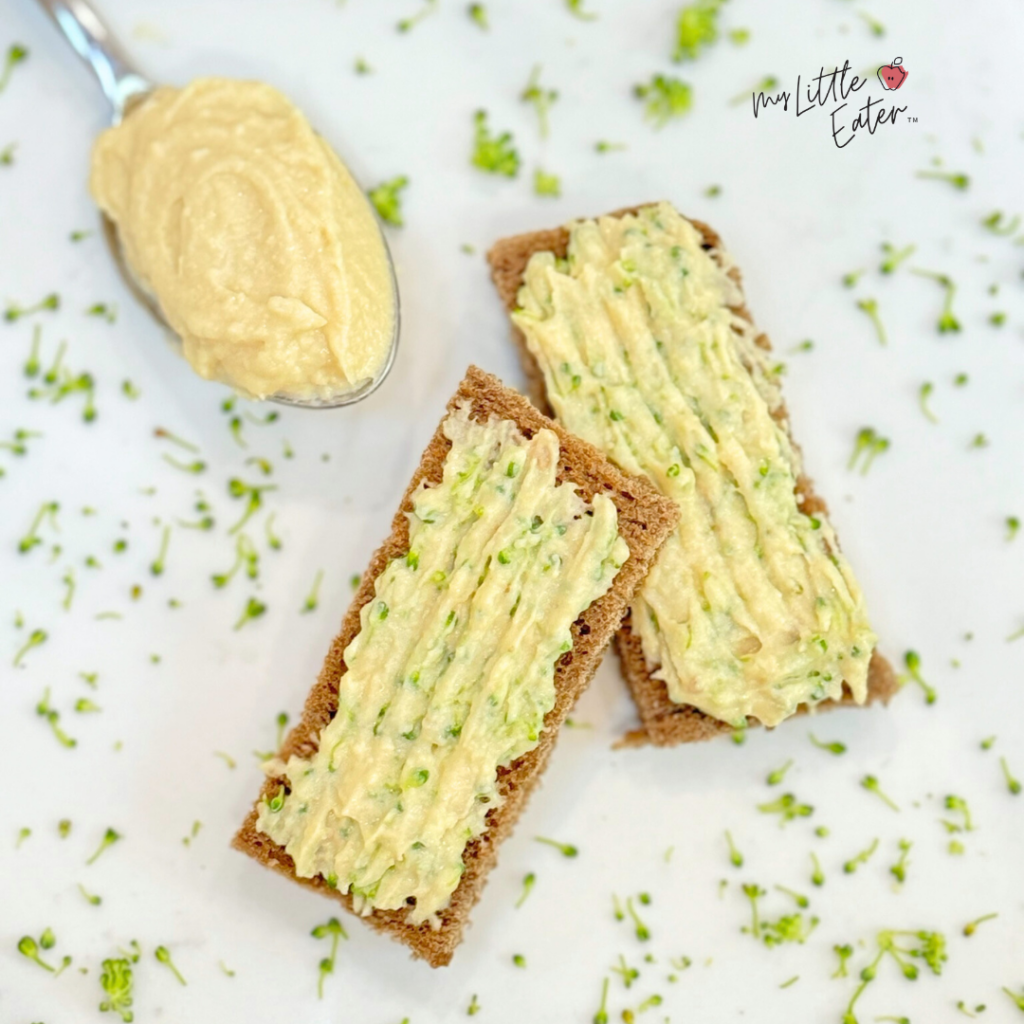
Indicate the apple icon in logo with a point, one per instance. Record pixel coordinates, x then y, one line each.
893 75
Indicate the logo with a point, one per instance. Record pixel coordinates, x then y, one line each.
837 88
893 75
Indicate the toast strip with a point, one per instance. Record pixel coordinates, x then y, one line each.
645 519
664 721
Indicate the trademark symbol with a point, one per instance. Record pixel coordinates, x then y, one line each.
912 120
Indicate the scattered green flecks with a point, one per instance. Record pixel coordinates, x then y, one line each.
226 758
35 639
979 441
30 949
116 980
565 849
788 928
1012 784
972 926
927 946
354 580
627 973
872 785
947 322
518 960
851 278
273 541
545 184
478 15
834 747
997 319
110 837
604 146
775 777
195 467
575 8
958 180
766 84
89 898
529 881
163 956
254 608
1018 1000
912 661
17 445
753 893
540 98
874 25
23 834
1001 224
193 834
16 54
330 929
129 390
312 598
31 539
68 579
493 154
803 902
245 555
64 828
84 706
235 426
696 28
817 875
844 953
894 257
7 154
640 929
924 393
735 857
958 805
103 310
870 307
787 807
227 970
253 494
52 716
474 1006
387 200
962 1007
156 567
850 866
408 24
868 445
601 1016
899 869
48 303
665 98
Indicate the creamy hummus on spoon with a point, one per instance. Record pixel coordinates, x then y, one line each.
262 252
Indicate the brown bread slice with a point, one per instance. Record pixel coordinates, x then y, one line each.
663 721
645 520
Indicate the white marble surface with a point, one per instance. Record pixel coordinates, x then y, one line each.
925 529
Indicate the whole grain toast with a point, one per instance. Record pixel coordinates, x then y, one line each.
645 519
663 722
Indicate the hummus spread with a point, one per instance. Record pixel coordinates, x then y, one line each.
451 674
750 608
260 248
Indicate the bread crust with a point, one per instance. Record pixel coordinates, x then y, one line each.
645 519
663 722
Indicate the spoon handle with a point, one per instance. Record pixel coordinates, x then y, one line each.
95 44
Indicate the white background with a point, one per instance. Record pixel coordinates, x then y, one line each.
925 529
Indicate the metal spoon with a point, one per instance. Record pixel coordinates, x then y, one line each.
124 86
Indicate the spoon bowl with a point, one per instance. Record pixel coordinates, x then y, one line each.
124 88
